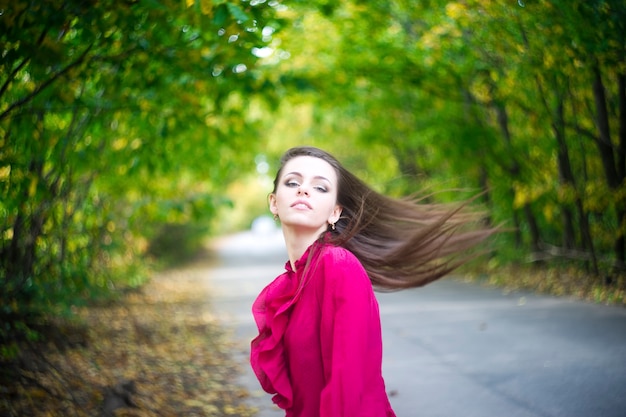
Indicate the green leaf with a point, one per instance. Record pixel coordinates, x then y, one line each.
221 14
237 13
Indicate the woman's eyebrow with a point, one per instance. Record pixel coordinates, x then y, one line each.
317 177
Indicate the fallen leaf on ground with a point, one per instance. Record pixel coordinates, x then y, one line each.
156 352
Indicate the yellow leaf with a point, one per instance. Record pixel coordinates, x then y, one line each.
5 171
206 6
32 189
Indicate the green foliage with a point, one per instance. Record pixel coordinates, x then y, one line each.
124 124
520 100
115 118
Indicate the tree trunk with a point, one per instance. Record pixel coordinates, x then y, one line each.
620 242
586 235
566 176
605 145
484 186
535 238
621 148
514 171
606 148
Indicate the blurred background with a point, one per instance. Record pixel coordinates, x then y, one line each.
133 131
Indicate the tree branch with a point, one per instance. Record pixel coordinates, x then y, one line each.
45 85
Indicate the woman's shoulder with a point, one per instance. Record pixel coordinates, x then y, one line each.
342 272
339 257
338 253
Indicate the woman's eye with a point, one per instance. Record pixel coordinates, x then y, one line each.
292 183
321 188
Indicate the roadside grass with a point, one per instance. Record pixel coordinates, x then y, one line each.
561 281
157 351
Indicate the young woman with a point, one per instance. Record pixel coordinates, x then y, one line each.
319 348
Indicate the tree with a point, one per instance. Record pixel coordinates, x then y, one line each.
503 96
115 117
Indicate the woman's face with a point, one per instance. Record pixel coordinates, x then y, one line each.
306 194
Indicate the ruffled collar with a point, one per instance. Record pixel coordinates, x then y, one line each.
300 263
271 312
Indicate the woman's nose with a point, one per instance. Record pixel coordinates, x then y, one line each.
302 190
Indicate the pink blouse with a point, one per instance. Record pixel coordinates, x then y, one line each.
319 348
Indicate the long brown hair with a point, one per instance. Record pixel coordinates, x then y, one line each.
402 243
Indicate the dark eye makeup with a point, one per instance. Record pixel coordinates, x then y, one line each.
292 183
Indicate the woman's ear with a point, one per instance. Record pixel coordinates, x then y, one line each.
271 199
336 214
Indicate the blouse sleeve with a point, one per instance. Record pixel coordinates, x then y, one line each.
351 338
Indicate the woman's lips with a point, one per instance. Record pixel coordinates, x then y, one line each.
301 204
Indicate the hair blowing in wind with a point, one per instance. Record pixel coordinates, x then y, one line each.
402 243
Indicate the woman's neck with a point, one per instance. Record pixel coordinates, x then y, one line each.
297 241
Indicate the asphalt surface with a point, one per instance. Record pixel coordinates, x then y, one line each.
454 348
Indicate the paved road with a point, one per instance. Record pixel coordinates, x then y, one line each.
457 349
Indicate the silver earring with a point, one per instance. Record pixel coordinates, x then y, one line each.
332 226
275 217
